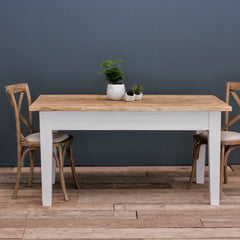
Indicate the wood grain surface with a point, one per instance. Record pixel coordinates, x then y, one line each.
162 208
149 103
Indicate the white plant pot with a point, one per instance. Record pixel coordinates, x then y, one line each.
138 96
116 91
129 98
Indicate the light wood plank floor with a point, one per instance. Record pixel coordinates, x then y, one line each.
120 203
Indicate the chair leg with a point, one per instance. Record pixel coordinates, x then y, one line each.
73 167
32 157
225 173
193 172
61 162
54 163
19 165
222 168
20 160
228 150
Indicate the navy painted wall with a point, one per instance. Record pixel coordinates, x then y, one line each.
170 46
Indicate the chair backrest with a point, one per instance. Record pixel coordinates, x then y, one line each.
12 90
231 87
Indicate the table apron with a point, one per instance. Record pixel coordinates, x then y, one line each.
68 120
122 120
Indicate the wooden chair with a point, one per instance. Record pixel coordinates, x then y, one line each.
229 140
62 142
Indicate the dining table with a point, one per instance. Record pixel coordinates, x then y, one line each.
153 112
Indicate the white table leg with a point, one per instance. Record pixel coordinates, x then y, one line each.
46 157
54 166
200 171
214 156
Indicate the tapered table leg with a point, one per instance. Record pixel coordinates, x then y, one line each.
46 157
214 156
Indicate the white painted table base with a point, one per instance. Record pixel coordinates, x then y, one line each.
124 120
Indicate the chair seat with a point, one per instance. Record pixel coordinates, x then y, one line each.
225 135
57 137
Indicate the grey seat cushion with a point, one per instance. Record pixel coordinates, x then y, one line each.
225 135
57 137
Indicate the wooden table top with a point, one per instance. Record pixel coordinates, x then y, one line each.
148 103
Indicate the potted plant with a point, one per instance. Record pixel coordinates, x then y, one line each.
113 74
137 89
129 96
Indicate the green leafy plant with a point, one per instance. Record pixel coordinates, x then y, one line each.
113 72
137 88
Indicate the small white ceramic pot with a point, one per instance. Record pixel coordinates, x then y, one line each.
129 98
138 96
116 91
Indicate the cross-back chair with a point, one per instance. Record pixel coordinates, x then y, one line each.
62 142
229 140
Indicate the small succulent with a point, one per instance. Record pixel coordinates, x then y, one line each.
137 88
130 93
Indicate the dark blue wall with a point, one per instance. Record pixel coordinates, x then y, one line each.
170 46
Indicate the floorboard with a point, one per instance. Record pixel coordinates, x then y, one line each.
137 203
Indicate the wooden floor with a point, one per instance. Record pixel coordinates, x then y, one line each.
120 203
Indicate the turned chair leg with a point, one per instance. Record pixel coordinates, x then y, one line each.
61 162
193 172
73 167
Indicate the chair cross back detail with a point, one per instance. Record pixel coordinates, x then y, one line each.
23 146
231 87
11 91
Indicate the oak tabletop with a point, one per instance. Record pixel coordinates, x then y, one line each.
148 103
